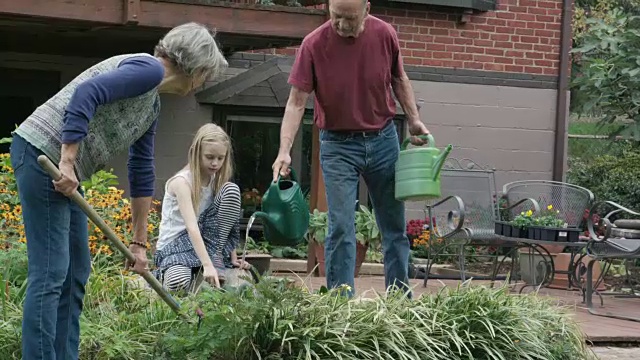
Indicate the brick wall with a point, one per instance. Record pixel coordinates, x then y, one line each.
522 36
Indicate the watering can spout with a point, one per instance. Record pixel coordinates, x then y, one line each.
439 163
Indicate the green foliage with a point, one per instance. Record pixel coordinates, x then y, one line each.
101 181
279 322
610 178
609 72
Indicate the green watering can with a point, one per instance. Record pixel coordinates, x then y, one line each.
285 213
418 170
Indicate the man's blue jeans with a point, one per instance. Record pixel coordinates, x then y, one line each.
344 157
58 257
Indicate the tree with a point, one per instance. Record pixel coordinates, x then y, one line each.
608 71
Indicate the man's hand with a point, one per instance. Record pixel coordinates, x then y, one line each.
68 183
142 263
417 127
281 165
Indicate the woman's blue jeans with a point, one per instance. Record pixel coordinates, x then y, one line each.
345 157
58 257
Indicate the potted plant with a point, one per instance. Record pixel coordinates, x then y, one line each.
367 234
318 227
257 255
520 224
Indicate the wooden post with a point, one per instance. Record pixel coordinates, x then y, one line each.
318 199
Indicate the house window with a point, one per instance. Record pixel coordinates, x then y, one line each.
256 140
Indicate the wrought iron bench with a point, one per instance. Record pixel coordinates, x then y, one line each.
618 241
571 203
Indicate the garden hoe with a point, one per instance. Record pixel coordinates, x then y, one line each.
47 165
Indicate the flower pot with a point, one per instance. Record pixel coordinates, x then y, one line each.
506 230
261 262
319 251
518 232
560 234
361 254
499 227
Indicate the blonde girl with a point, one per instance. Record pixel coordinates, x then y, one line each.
199 230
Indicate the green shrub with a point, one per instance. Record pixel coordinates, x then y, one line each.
611 178
276 322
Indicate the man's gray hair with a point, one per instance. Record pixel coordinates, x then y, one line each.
192 48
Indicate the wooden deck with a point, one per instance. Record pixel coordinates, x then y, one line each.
598 329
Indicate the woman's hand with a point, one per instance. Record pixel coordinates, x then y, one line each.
241 264
68 183
142 263
211 275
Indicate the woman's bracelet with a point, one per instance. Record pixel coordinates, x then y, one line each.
138 243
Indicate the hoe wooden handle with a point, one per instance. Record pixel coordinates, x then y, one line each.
47 165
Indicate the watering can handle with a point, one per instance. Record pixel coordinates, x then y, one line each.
292 175
428 138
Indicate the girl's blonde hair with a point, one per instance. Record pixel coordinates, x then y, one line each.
209 133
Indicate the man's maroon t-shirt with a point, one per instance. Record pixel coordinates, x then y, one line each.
351 77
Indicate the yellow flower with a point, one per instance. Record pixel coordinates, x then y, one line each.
550 207
529 213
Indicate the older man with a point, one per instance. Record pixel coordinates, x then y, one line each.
351 63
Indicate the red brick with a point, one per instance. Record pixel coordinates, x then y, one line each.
484 58
487 28
463 41
443 39
521 31
546 18
405 36
402 21
421 54
499 37
504 44
412 61
528 3
545 33
505 30
533 70
516 23
437 16
504 60
475 50
455 48
534 55
537 11
505 15
517 9
452 64
423 38
436 31
536 25
459 56
497 22
530 39
436 47
545 63
550 71
408 29
424 22
444 24
483 43
523 62
547 4
442 55
526 17
491 51
415 45
493 67
473 65
514 54
514 68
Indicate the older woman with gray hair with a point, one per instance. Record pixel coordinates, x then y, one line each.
111 107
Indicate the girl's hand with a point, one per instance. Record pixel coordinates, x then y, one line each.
211 275
241 264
